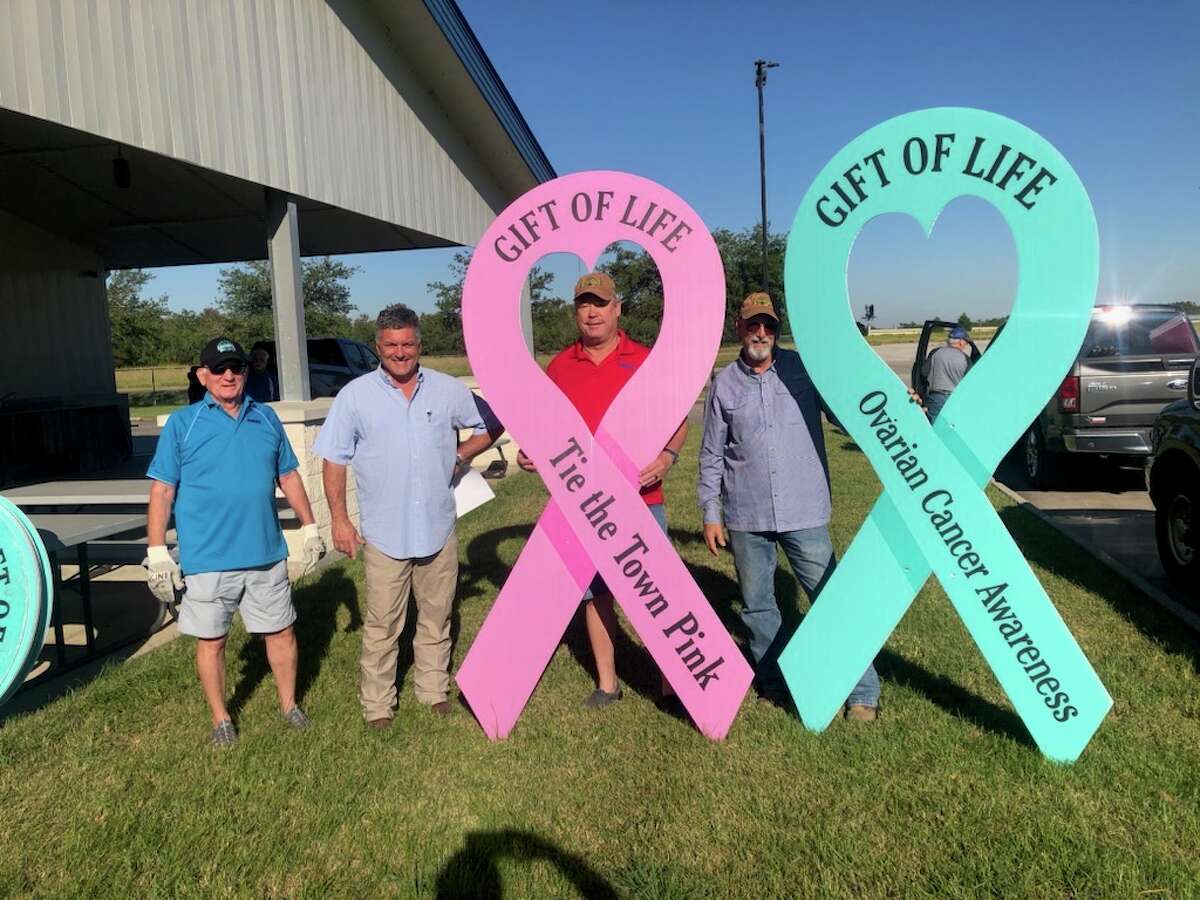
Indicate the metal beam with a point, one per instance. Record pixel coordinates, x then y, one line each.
287 295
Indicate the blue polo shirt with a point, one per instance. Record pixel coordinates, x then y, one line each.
402 454
224 470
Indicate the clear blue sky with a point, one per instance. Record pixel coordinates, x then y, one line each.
666 90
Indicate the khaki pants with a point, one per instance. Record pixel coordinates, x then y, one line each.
432 580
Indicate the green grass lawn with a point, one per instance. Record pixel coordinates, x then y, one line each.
111 791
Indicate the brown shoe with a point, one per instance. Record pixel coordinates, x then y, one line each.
441 708
859 713
380 724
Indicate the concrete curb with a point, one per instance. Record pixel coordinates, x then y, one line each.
1135 580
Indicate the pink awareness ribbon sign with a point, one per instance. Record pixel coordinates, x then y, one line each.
596 520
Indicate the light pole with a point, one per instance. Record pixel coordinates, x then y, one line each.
760 78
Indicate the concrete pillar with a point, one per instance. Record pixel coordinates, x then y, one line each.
287 295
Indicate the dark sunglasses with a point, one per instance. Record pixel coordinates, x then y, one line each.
236 368
769 325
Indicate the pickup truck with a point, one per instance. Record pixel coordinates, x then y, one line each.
1133 362
1173 479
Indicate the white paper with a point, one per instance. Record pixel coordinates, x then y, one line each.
471 492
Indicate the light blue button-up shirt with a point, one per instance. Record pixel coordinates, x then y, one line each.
402 454
762 455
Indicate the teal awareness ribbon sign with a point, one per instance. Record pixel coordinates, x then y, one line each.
933 515
26 597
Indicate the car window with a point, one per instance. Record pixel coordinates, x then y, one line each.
369 355
1121 331
325 352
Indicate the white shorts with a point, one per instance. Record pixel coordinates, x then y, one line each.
263 594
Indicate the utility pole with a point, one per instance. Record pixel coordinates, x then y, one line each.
760 78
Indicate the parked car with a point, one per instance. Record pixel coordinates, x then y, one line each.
332 363
1173 478
1133 362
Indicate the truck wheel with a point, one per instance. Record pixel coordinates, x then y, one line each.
1175 529
1041 466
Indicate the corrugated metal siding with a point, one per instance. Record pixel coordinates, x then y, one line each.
54 335
279 92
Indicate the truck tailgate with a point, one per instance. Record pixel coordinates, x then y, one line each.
1130 390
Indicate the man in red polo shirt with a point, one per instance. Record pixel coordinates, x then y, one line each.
591 372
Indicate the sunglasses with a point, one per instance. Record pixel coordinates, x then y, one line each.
236 368
767 325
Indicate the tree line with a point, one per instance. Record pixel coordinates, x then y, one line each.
146 332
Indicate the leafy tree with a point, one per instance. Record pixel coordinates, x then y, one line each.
362 328
245 296
964 320
188 331
441 330
136 321
640 286
741 254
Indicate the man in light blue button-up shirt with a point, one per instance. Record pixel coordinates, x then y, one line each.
398 428
763 469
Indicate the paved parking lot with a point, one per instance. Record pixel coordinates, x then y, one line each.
1103 507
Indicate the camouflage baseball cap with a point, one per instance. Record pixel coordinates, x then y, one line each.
598 285
757 304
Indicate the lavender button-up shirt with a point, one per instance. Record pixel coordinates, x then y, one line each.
762 456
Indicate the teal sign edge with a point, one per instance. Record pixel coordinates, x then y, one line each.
933 514
26 597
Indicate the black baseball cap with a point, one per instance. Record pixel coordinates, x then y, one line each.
220 350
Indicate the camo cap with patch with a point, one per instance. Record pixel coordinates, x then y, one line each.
757 304
598 285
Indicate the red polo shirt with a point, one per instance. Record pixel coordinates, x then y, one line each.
591 386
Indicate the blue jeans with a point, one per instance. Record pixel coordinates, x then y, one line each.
934 403
810 552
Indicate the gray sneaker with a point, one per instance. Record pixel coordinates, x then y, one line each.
224 734
296 718
599 699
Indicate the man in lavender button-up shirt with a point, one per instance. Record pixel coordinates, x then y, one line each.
763 470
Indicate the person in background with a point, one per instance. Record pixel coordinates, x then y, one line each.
217 463
947 366
195 388
260 383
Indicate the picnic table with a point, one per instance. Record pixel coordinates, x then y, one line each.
110 492
104 492
73 531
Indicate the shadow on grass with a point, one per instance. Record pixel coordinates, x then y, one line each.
473 870
851 446
317 605
1047 547
485 573
952 697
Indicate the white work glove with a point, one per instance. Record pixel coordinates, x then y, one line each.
163 575
314 546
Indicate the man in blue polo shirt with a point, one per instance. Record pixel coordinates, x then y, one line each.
398 427
218 462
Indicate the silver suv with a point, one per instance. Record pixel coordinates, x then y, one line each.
1133 362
